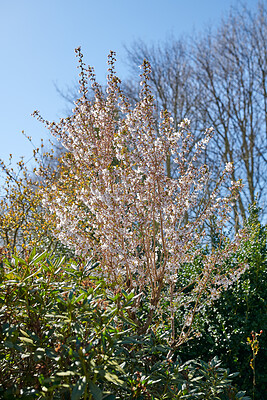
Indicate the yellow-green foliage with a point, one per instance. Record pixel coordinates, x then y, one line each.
24 223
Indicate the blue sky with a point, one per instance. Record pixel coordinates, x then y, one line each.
37 42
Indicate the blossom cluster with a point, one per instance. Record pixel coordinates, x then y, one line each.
115 201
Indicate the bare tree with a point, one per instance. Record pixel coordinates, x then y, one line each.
171 77
231 68
219 80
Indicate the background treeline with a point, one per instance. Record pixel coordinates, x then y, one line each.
217 78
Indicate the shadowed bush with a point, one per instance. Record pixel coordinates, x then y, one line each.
63 336
226 325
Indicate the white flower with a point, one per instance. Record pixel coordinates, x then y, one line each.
184 123
229 167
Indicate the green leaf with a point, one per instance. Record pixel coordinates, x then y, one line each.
33 274
18 348
24 333
39 353
9 344
96 392
52 355
129 340
241 394
129 321
115 366
66 373
79 388
35 258
113 378
79 298
25 339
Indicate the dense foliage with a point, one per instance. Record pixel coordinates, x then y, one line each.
64 336
240 310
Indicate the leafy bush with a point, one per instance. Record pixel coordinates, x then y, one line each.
225 326
64 336
57 331
23 221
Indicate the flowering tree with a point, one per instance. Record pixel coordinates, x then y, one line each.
114 201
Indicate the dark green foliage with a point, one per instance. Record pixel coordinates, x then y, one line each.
62 336
56 332
241 309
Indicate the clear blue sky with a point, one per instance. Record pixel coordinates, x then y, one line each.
38 38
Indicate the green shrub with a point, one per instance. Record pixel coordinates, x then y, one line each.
62 336
241 309
57 333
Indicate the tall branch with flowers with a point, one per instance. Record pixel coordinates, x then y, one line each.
122 208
